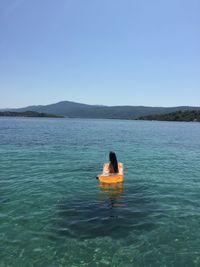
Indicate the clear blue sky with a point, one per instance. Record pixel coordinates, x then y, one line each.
112 52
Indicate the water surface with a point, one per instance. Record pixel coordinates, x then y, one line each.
53 211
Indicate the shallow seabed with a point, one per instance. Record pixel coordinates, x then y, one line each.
53 212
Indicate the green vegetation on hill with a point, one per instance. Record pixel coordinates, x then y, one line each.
189 115
28 114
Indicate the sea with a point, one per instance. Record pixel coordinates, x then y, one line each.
55 213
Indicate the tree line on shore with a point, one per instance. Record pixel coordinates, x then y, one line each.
28 114
189 115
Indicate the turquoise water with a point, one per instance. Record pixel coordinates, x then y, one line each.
53 212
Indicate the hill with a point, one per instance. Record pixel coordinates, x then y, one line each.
77 110
193 115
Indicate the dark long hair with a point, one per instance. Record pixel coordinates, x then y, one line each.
113 161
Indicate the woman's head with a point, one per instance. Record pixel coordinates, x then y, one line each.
112 157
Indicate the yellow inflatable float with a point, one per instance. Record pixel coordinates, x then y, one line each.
107 177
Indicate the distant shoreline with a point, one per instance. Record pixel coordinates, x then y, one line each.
178 116
28 114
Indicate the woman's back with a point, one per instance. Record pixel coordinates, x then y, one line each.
111 168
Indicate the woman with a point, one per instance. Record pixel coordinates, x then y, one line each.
113 165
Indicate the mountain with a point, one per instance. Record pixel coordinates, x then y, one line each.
78 110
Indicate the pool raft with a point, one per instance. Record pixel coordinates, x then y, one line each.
107 177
